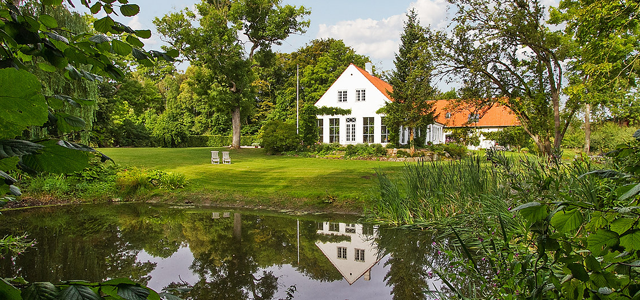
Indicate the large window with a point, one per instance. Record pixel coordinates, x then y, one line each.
360 95
351 129
342 96
342 252
368 130
334 130
321 130
359 255
384 132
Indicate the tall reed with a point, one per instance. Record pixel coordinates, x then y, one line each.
429 191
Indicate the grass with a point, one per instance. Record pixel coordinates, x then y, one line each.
262 179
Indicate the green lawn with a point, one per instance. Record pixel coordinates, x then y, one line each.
259 177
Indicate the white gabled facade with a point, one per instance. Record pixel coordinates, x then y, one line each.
364 94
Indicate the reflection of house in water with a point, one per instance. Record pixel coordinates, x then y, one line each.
350 248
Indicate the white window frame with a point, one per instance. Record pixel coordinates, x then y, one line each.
321 130
361 95
342 252
351 129
384 131
358 255
368 130
342 96
334 130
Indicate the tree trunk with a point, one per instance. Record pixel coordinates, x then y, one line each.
412 148
587 128
237 227
555 97
235 120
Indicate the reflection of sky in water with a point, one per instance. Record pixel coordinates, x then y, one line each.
311 289
172 269
176 269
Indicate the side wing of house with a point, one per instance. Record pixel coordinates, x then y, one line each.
363 94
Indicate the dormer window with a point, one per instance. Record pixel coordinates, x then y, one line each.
360 95
342 96
448 115
474 118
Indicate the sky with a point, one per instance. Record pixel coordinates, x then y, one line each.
371 27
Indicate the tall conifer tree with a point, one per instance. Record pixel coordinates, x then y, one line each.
411 81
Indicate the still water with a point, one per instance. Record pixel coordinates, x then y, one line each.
223 253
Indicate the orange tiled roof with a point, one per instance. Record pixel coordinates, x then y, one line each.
380 84
496 115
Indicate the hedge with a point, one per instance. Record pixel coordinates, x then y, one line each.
217 141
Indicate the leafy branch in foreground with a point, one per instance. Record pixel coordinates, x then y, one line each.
32 40
19 289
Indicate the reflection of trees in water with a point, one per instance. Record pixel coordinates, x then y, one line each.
230 254
412 255
74 243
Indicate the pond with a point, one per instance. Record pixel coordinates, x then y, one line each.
224 253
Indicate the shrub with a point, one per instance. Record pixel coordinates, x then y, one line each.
607 136
402 153
455 150
278 136
132 181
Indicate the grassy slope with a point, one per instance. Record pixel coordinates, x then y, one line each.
261 179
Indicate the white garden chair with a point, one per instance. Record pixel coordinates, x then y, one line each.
215 159
225 157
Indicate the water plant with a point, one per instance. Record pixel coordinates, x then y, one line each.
580 237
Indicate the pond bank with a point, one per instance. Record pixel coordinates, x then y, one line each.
301 205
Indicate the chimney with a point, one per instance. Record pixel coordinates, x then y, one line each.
369 68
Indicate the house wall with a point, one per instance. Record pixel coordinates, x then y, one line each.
485 143
350 81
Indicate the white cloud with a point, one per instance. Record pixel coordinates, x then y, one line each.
135 23
380 39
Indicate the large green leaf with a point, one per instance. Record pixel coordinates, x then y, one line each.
56 159
129 10
566 221
632 192
532 211
68 123
40 291
636 135
132 292
631 241
621 225
103 25
121 48
599 241
12 148
48 21
8 291
21 102
78 292
578 272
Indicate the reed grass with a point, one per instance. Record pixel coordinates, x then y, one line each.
428 191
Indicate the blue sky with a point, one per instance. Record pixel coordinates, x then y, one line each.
371 27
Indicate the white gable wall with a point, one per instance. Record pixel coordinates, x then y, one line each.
350 81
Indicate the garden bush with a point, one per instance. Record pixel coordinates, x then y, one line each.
455 150
278 136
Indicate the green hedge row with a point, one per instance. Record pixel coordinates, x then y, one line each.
217 140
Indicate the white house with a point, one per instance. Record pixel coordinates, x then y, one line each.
489 118
355 256
364 94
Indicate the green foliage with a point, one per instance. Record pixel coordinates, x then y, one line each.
575 235
604 137
135 181
511 137
125 289
217 141
309 124
411 81
278 136
425 194
333 111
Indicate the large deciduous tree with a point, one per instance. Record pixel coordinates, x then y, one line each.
411 107
507 48
605 67
216 45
